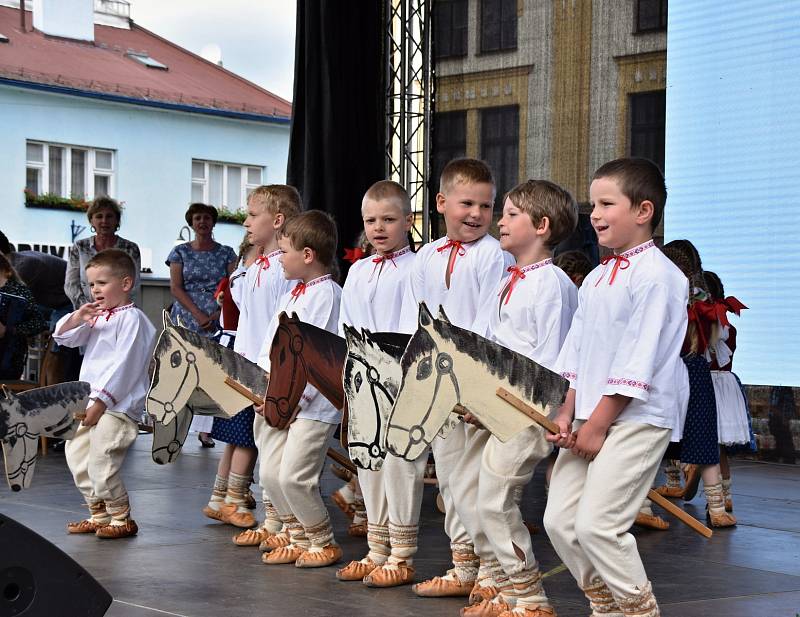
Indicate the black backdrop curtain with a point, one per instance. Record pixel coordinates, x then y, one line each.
337 139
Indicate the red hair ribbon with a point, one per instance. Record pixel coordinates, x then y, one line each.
516 275
354 254
460 251
620 263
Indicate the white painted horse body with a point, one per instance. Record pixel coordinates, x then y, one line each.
445 366
29 415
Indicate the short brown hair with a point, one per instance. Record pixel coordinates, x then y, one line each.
464 171
278 199
118 261
542 198
388 189
639 180
198 208
316 230
101 203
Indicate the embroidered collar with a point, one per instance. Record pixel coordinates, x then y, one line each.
637 249
263 264
621 261
379 260
518 274
301 287
112 311
453 255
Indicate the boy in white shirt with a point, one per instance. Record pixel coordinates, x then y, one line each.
372 298
119 342
258 293
295 456
622 357
458 272
531 313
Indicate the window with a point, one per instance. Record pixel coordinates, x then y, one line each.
449 141
68 171
647 119
651 15
500 146
498 25
223 184
450 28
145 59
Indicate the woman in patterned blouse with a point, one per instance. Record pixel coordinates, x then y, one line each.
27 322
104 216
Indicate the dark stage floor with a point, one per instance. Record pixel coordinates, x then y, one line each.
184 564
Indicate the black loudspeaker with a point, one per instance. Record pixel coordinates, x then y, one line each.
38 579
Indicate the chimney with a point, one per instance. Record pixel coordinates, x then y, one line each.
71 19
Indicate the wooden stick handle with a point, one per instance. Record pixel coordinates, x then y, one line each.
230 381
552 428
332 454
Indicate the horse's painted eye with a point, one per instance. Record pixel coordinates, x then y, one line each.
444 363
358 380
175 359
424 369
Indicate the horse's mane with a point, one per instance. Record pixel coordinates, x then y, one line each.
61 394
539 384
391 343
331 347
247 373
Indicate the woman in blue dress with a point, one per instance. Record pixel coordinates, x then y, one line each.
195 270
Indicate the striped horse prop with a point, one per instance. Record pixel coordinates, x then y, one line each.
51 411
447 368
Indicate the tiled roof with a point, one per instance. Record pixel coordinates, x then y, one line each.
106 67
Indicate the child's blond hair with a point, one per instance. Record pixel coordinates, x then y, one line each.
464 171
388 189
278 199
542 198
119 262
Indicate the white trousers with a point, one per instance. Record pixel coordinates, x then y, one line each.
394 493
505 469
592 505
463 483
95 456
446 453
262 440
294 458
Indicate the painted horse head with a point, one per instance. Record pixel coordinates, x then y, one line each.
41 412
428 386
445 365
302 354
371 379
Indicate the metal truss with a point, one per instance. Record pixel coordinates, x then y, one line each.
409 100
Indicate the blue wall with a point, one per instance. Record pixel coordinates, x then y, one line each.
154 152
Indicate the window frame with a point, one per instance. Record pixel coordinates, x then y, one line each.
89 172
482 48
640 129
504 141
450 53
245 186
663 9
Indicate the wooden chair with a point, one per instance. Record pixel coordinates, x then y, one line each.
42 348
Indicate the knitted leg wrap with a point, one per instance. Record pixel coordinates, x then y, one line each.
321 534
403 539
601 601
297 535
726 488
238 485
378 542
488 571
119 509
647 507
528 588
272 520
465 561
715 498
505 588
360 511
98 511
673 472
642 604
220 488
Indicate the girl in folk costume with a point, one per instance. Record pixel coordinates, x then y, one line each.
733 418
294 457
531 315
257 292
458 272
372 298
698 449
231 496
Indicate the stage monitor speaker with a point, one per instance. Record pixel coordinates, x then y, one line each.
37 579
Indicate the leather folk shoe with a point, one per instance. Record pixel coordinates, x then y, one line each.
356 570
485 608
390 575
319 557
535 611
345 506
673 492
85 526
251 537
112 532
691 480
277 540
447 586
284 554
232 515
651 521
357 530
482 592
213 513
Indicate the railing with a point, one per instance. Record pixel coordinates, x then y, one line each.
120 8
